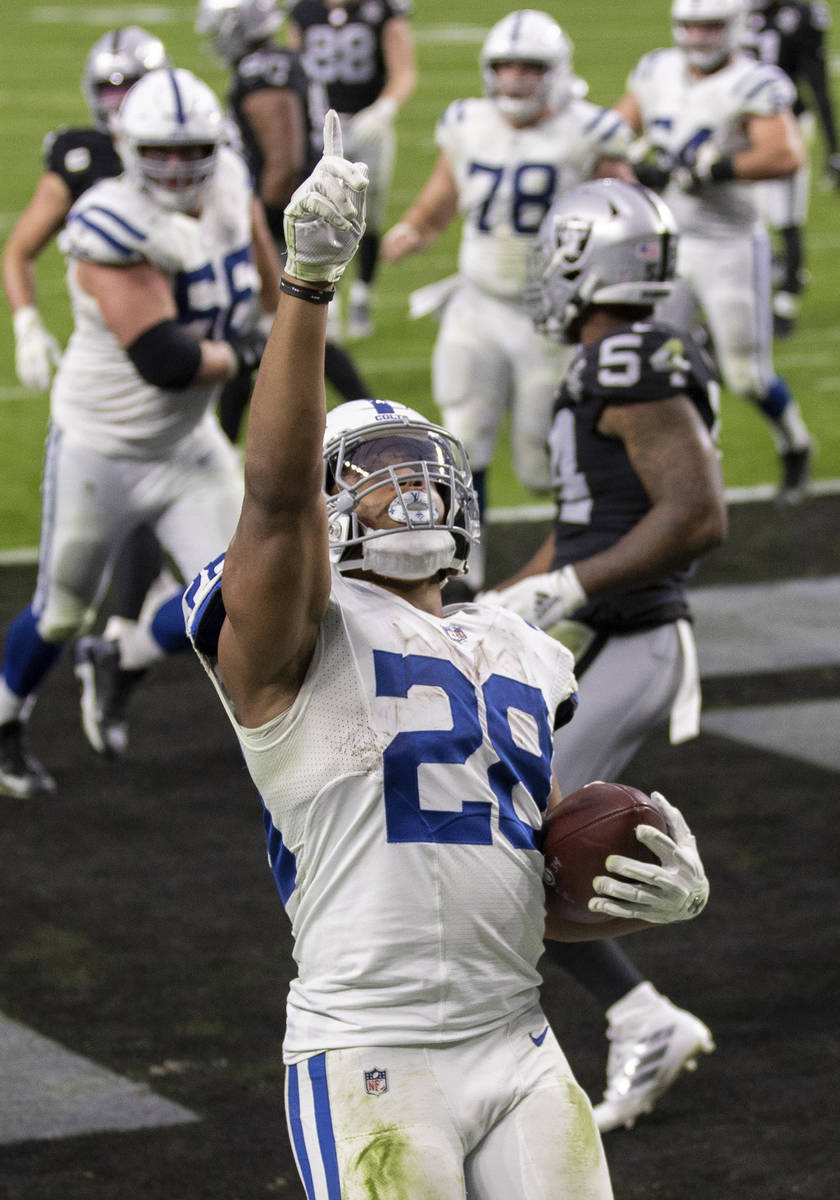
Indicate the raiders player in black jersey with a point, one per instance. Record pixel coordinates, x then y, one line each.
74 159
791 34
359 58
639 495
268 100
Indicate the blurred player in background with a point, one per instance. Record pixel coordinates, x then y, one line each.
386 738
268 101
791 34
163 285
639 493
75 159
715 120
502 161
359 58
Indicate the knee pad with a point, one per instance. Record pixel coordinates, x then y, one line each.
62 616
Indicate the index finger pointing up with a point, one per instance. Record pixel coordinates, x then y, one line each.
333 143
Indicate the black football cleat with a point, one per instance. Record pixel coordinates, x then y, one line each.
21 775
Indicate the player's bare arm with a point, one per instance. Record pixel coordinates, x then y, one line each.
36 226
400 60
672 452
277 572
676 460
628 108
135 299
428 216
266 258
776 149
276 118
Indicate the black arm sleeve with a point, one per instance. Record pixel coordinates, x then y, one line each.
166 356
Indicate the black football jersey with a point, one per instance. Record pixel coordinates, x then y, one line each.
268 67
790 33
342 50
598 494
81 157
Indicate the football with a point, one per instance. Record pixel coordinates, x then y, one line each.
580 833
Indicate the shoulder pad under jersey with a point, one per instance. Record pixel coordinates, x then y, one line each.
110 224
764 88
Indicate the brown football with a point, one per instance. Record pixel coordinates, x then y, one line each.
580 833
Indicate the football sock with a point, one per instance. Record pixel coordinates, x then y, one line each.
27 657
783 413
341 372
602 968
136 569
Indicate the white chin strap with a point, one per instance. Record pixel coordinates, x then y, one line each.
409 553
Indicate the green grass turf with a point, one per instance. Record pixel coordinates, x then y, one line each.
41 57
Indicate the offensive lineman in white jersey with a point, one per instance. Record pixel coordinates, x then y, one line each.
502 161
164 287
716 120
402 754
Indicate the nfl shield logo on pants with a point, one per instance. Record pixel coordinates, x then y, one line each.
376 1082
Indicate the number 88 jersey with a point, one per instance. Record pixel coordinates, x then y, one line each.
403 792
507 178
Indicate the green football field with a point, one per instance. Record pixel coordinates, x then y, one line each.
42 54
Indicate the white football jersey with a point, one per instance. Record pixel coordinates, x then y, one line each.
403 791
98 392
508 176
680 113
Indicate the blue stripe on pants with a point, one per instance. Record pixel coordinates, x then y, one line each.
323 1122
296 1127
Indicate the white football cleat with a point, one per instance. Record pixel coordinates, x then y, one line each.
651 1043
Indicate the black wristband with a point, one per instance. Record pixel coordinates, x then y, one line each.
313 295
723 170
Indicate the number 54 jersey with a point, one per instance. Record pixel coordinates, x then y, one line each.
403 792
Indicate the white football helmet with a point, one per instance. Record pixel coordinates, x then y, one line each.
534 37
369 444
233 26
170 110
725 26
115 61
603 242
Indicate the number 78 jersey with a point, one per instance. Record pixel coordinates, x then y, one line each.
403 792
507 178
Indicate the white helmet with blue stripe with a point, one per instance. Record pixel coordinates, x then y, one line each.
530 36
167 132
370 444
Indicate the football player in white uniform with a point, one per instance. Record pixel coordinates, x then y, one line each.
502 161
75 159
716 120
401 752
639 495
164 291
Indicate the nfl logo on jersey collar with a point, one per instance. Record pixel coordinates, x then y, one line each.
455 633
376 1082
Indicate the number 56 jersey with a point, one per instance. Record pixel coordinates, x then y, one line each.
403 792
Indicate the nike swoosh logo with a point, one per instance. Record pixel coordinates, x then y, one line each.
538 1038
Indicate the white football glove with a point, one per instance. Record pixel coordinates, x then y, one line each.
541 599
325 218
37 353
676 889
372 123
